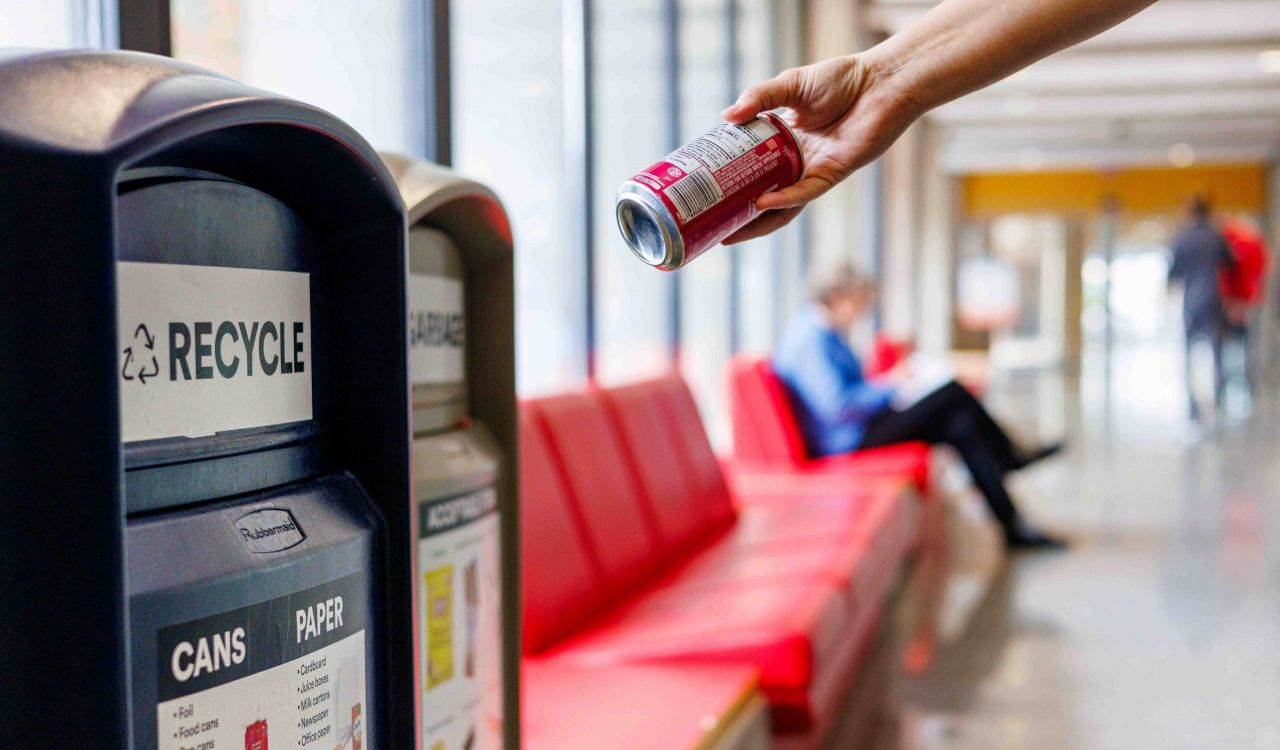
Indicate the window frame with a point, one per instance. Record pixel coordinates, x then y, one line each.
146 26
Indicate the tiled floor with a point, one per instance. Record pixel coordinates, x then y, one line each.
1160 627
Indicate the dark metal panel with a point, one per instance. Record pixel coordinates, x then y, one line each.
63 563
671 69
430 95
735 258
145 26
579 154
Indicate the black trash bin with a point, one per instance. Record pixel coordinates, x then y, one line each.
204 417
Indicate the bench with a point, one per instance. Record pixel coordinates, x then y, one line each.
636 552
770 461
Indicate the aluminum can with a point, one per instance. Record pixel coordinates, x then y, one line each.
255 736
704 191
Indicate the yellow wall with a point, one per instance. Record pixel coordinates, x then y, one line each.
1231 187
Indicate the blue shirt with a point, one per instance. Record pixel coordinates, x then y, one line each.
832 399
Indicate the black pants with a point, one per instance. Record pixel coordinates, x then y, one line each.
951 415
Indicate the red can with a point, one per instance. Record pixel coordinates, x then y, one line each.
701 193
255 736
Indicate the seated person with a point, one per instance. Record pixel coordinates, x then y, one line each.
840 410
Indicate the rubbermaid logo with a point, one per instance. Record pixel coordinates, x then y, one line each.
269 530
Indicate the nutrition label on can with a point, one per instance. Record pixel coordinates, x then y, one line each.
714 166
721 145
284 673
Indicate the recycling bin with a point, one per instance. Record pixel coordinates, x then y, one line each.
461 328
204 441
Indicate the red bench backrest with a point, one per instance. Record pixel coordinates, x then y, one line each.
615 484
764 427
560 581
697 458
886 353
689 503
621 531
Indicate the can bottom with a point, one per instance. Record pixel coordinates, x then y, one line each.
642 231
653 237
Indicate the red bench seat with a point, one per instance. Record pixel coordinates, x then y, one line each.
639 707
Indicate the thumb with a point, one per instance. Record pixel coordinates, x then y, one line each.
780 91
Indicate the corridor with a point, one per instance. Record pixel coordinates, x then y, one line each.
1160 628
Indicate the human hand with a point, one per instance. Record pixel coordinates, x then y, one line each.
850 109
846 113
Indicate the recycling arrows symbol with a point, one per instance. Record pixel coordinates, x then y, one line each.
149 342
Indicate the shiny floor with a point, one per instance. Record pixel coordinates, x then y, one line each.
1160 627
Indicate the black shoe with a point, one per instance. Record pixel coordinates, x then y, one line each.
1031 539
1023 459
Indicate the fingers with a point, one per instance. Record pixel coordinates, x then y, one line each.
766 223
795 196
780 91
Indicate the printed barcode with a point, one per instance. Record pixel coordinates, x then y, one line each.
694 193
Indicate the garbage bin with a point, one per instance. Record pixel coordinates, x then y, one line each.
462 368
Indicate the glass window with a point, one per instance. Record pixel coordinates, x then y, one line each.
786 22
351 57
758 274
705 320
40 23
633 301
509 132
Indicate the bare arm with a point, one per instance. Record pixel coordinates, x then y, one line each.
963 45
849 110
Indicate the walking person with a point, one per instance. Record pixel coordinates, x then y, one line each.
1199 254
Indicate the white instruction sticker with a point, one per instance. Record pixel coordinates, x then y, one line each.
284 674
460 616
437 330
205 349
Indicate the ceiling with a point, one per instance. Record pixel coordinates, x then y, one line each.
1181 72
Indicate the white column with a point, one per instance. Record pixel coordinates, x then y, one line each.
899 285
936 273
837 224
1073 300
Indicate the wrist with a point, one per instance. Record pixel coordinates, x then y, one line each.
891 87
